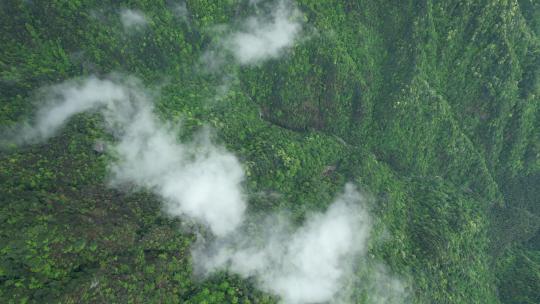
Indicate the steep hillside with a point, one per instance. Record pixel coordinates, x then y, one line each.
430 108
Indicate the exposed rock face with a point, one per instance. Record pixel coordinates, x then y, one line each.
329 170
99 147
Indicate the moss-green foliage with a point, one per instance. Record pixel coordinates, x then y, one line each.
431 107
520 276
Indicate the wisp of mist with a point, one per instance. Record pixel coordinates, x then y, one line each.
202 181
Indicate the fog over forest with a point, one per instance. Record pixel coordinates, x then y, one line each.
270 152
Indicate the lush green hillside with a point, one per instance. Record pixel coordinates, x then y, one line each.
431 107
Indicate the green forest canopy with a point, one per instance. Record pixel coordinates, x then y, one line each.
431 107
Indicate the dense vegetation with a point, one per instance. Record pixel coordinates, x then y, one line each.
433 107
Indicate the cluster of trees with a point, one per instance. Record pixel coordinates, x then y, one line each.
430 106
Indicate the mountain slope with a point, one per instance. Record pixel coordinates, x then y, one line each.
430 107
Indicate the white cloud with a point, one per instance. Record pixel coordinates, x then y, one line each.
199 180
309 265
202 181
61 102
132 19
260 39
257 39
181 11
